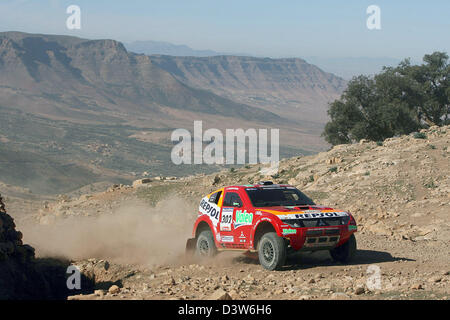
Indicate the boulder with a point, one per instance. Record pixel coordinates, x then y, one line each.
140 182
114 289
220 294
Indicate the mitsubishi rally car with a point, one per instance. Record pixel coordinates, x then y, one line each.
272 221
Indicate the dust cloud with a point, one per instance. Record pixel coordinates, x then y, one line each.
133 234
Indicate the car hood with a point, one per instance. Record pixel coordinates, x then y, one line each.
302 212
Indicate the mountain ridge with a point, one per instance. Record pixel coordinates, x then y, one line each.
114 110
106 67
290 83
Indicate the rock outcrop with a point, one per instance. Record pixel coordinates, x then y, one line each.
22 276
15 258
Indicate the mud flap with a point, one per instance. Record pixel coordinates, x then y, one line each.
190 246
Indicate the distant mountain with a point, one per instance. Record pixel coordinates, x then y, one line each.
291 87
345 67
76 78
349 67
76 111
166 48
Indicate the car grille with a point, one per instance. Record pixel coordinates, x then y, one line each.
310 223
319 232
321 242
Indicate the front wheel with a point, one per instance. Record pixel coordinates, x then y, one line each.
344 253
272 251
205 247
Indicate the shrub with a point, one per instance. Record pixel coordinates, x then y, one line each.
420 135
431 185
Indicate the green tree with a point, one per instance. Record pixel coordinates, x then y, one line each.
396 101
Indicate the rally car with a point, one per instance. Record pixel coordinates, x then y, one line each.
272 221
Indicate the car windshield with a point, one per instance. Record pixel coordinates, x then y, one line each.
265 197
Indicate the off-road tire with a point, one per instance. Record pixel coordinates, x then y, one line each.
272 251
344 253
205 246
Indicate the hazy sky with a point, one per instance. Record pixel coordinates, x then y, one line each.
324 28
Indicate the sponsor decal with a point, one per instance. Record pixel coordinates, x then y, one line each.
210 209
313 215
289 231
227 239
242 237
218 237
243 218
351 227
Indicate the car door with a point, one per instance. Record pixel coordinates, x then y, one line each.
235 222
231 202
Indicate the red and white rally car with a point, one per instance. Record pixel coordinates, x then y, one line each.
271 220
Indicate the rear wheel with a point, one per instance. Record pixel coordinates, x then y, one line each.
272 251
344 253
205 246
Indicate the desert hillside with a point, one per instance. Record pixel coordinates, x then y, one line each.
398 192
75 111
382 184
291 87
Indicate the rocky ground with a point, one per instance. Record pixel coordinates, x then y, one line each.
306 277
398 191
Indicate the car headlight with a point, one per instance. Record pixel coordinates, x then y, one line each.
345 220
294 223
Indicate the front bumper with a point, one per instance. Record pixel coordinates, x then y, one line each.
320 238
